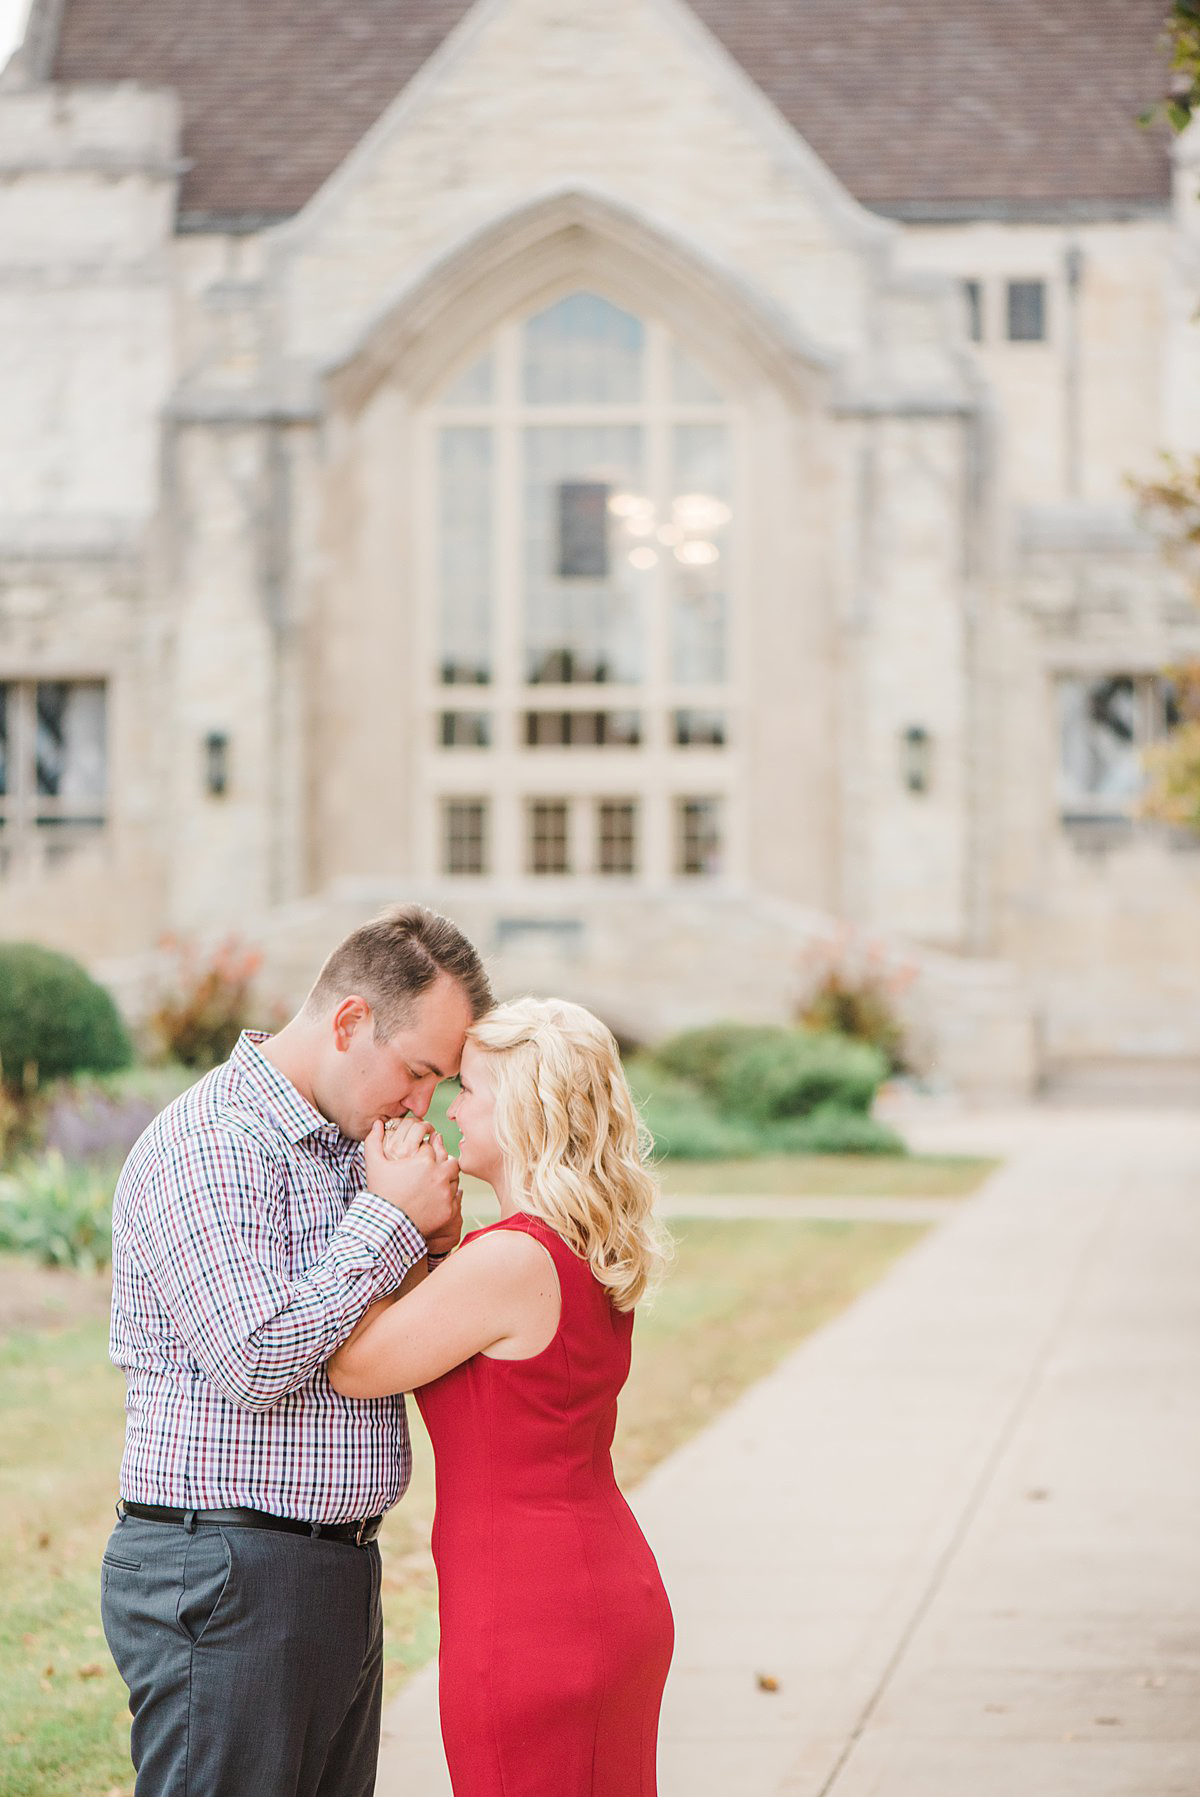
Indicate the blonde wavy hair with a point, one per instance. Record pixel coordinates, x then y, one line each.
570 1134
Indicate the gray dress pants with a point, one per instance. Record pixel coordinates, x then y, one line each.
254 1659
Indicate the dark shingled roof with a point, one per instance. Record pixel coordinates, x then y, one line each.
931 107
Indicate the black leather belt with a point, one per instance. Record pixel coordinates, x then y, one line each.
358 1534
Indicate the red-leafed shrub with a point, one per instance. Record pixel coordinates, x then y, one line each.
851 986
208 1002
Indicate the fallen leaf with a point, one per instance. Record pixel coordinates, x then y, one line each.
766 1681
91 1670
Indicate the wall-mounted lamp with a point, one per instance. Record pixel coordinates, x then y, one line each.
216 763
916 758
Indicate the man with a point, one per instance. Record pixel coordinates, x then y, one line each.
254 1222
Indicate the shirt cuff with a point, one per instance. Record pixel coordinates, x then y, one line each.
393 1236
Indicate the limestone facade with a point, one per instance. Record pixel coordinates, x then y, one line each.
222 504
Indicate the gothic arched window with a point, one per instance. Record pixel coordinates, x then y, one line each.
583 498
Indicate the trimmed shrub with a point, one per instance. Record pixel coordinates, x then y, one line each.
54 1019
800 1073
58 1213
703 1056
684 1123
831 1131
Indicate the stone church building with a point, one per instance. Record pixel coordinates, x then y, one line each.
650 479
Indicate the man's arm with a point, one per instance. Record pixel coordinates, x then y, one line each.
500 1290
204 1234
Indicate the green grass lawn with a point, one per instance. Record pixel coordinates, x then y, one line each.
739 1295
828 1176
64 1726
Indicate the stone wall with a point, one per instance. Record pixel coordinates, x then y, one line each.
86 344
211 470
649 970
87 182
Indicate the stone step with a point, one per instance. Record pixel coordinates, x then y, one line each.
1143 1081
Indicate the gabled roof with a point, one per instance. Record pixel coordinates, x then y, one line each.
921 107
921 104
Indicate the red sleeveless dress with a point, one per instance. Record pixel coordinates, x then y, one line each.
556 1630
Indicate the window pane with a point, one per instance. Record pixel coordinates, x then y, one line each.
69 745
580 629
699 526
1168 712
582 729
465 554
466 729
1100 768
548 847
698 836
696 727
464 836
584 350
1026 311
583 520
973 295
59 837
689 383
473 387
616 836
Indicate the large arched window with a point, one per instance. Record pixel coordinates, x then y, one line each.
583 505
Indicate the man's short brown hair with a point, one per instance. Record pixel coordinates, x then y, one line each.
390 961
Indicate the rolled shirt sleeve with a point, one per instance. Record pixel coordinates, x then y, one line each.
209 1238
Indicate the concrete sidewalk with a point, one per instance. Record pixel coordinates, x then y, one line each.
960 1527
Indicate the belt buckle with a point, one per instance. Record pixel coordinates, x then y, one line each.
358 1533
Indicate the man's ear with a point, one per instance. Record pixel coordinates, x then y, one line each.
352 1014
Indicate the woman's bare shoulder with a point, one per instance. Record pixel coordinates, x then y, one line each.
503 1252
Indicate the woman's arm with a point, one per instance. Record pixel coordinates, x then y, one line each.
499 1292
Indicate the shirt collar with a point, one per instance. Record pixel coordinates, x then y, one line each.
289 1109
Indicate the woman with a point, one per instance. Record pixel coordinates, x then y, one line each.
556 1630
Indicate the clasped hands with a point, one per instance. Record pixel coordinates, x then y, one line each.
407 1164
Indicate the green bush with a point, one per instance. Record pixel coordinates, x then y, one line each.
684 1123
828 1130
58 1212
703 1056
735 1090
799 1073
54 1019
